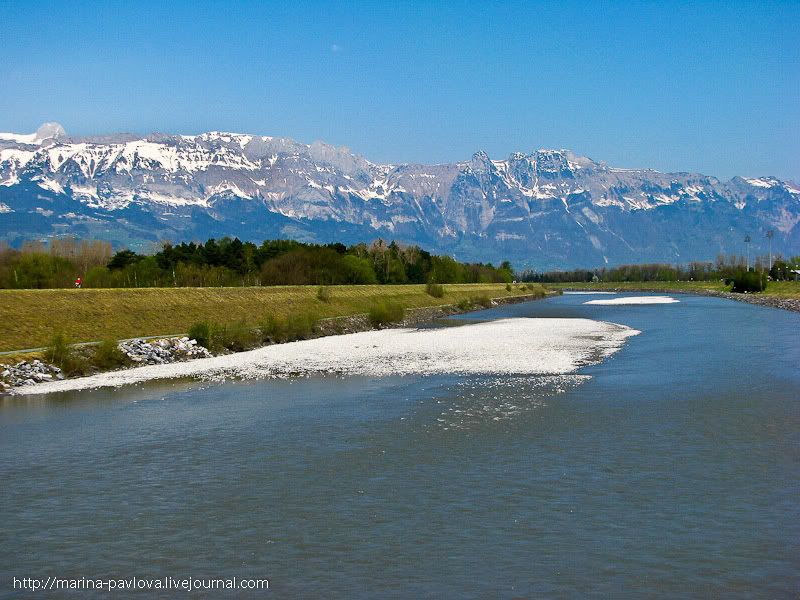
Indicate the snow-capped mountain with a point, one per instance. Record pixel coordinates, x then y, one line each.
549 208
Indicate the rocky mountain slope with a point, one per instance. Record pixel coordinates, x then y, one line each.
549 208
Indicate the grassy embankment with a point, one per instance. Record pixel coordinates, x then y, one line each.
778 289
30 318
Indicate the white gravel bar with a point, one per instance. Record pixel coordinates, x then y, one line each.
519 346
635 300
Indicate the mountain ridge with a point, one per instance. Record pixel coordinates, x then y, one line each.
548 208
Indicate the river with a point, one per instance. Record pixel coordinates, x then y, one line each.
671 469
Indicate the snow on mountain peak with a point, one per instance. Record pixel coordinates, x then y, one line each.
251 185
50 131
299 178
46 132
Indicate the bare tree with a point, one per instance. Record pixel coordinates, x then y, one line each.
770 235
747 243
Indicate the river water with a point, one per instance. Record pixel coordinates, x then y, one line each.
672 469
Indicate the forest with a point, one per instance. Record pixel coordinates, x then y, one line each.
231 262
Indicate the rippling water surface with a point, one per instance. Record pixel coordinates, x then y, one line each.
671 469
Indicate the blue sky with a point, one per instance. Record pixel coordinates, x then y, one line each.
705 86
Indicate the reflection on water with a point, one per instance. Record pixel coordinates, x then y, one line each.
672 469
476 402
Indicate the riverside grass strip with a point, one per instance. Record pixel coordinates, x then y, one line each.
30 318
777 289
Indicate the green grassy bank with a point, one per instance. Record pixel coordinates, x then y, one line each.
778 289
30 318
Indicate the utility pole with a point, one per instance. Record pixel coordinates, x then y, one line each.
770 233
747 241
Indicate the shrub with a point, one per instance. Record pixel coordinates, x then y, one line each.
58 353
107 355
76 364
324 293
217 337
235 337
465 304
508 287
64 356
273 329
201 333
299 326
749 281
482 300
435 290
385 312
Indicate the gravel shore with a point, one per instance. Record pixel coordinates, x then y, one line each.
521 346
170 350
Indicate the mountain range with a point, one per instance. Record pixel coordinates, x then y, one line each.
544 209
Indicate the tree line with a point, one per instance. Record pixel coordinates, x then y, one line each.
725 268
231 262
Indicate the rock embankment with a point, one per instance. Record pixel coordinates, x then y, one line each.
138 352
163 351
792 304
27 373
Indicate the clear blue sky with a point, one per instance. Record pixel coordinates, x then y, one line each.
696 86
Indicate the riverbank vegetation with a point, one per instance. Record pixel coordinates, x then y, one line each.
84 359
727 274
778 289
31 317
723 269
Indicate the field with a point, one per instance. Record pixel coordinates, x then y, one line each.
30 318
780 289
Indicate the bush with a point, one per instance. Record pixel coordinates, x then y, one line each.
482 300
58 353
749 281
465 304
299 326
201 333
107 355
65 357
235 337
508 287
324 293
385 312
273 330
532 289
217 337
435 290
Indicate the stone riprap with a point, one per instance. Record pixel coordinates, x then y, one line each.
138 351
27 373
162 351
